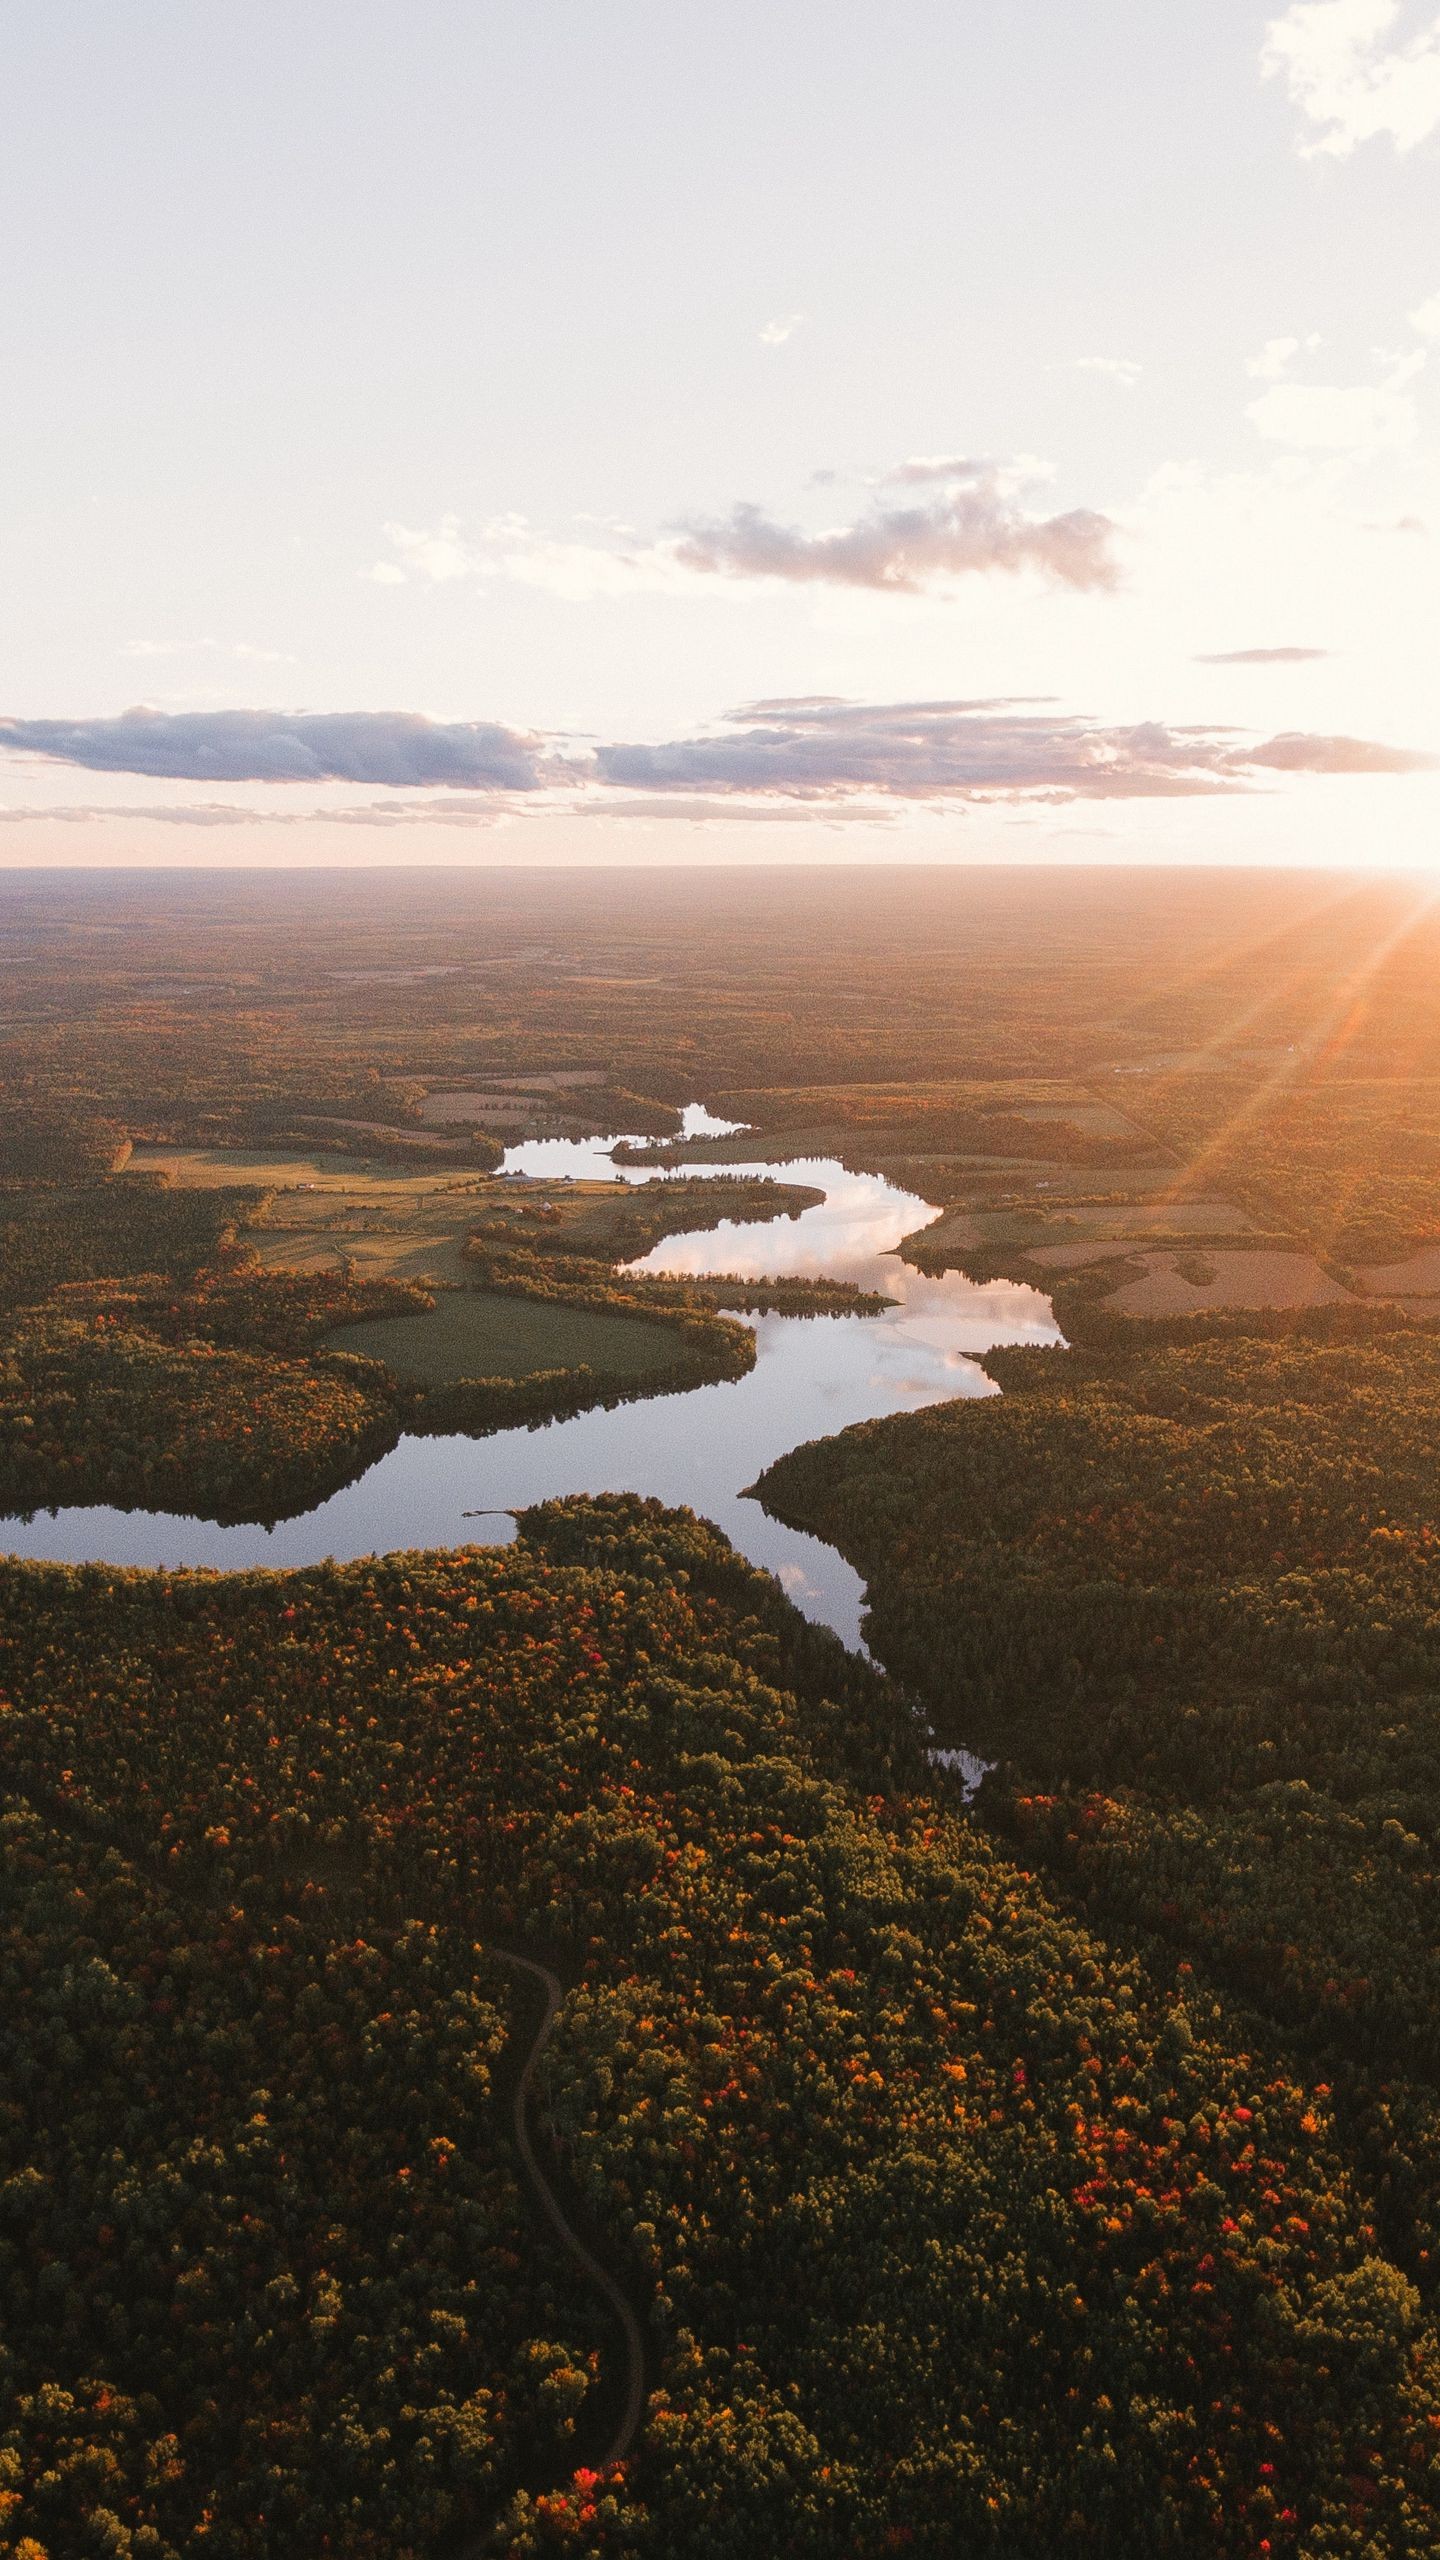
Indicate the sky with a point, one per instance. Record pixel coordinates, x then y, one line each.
555 431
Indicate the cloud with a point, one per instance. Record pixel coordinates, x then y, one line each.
1120 369
510 547
1273 358
816 747
836 758
394 748
1346 78
922 468
971 521
1426 320
707 809
439 555
1298 752
466 812
205 813
1260 657
973 524
235 813
776 332
1342 418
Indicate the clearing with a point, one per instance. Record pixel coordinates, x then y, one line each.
326 1211
1238 1280
477 1333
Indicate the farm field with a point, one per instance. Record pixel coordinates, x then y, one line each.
325 1212
320 1213
220 1166
1202 1280
477 1333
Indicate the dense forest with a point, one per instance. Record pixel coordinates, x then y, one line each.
217 1398
954 2223
1185 1587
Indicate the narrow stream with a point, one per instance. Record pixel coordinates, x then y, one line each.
813 1375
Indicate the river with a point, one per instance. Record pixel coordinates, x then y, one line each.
813 1375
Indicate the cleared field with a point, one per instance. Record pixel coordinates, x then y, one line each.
1195 1281
392 1134
1061 1235
1046 1232
417 1241
1179 1218
973 1179
958 1231
1100 1118
211 1166
503 1101
476 1333
483 1110
329 1211
1240 1280
1418 1276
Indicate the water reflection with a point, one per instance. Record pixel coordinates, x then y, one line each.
813 1376
697 1122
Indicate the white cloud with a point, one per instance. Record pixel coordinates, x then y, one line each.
729 809
1349 80
1282 657
510 547
817 747
776 332
438 556
969 519
394 748
969 523
1022 471
1425 321
1120 369
1273 358
1321 417
818 752
236 813
1277 355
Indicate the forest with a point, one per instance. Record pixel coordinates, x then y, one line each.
1184 1590
949 2217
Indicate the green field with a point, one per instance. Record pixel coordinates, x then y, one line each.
477 1333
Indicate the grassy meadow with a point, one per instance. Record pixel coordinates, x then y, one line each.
478 1333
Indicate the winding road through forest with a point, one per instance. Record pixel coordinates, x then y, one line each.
632 2409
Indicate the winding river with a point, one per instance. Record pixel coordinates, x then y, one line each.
813 1375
